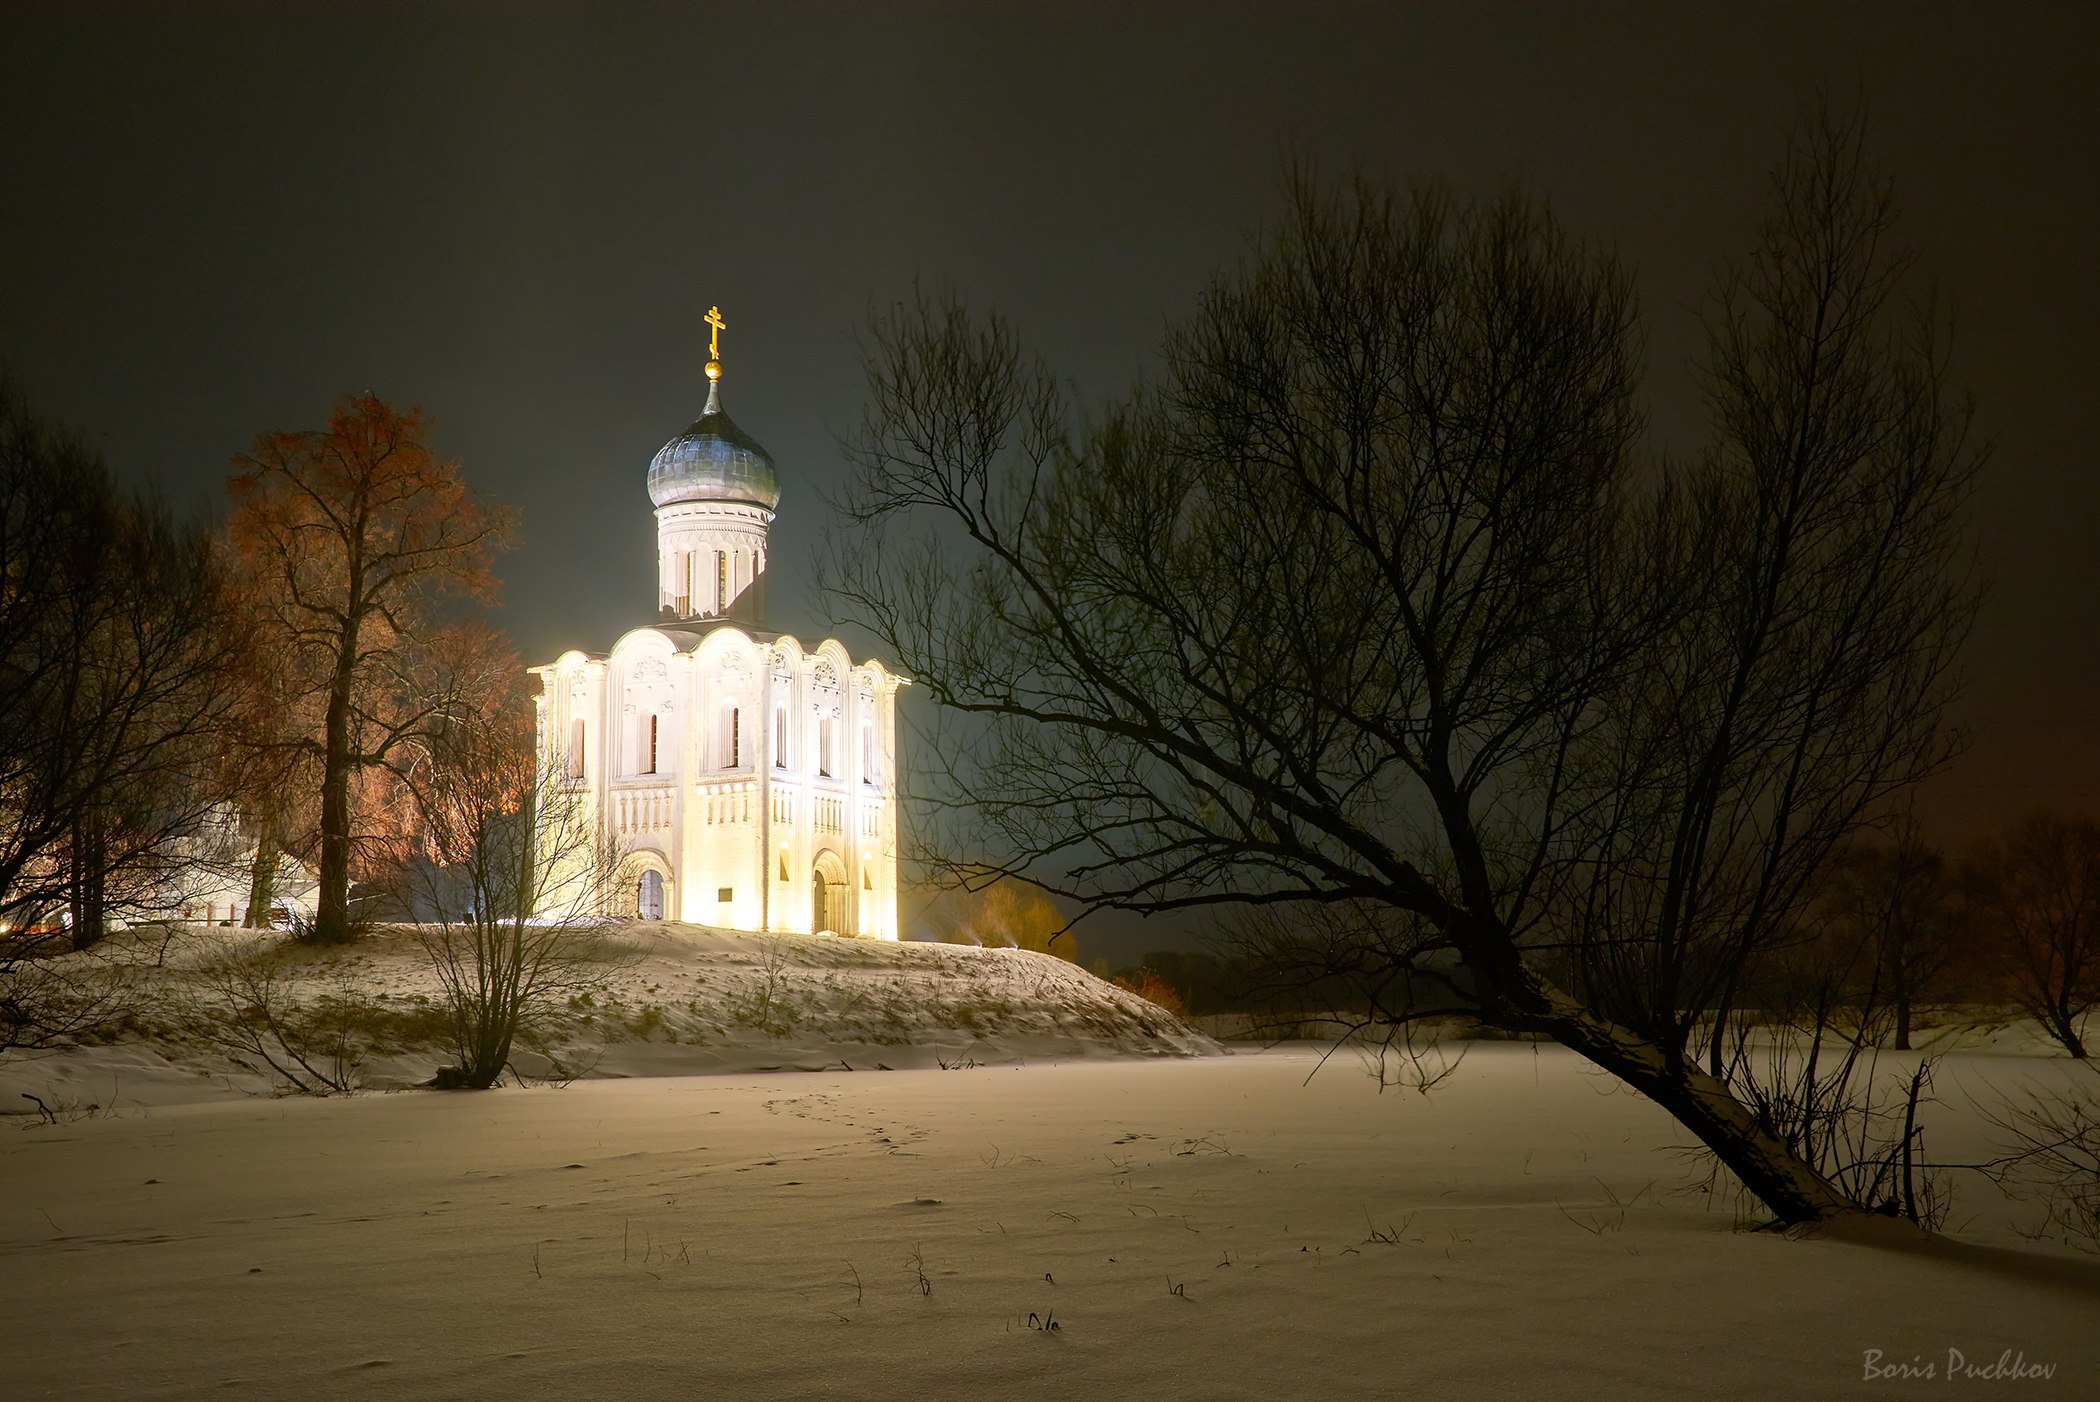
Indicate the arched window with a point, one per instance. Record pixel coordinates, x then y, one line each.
649 896
575 761
867 752
733 743
780 737
824 747
650 755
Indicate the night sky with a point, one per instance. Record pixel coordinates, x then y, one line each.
218 219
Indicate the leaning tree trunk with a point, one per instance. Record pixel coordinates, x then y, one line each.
1781 1179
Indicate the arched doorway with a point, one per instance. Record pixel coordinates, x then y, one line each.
827 896
649 895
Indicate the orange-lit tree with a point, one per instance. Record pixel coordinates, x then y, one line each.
349 536
1010 913
265 763
464 686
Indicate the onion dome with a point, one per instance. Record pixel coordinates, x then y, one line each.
713 460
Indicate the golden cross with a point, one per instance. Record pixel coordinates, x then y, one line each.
716 325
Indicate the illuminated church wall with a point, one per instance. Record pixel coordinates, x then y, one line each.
749 780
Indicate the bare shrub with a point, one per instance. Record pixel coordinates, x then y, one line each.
1805 1057
244 1000
1156 991
52 996
2051 1157
517 873
766 1002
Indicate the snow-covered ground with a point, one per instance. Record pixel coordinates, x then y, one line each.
667 1000
1093 1202
1199 1228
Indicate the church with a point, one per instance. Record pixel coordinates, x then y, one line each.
748 782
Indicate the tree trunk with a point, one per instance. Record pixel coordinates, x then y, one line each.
262 876
86 889
1779 1178
2067 1033
1774 1174
332 900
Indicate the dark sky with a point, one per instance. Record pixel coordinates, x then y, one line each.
217 219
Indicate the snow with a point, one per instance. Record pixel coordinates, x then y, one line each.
1199 1227
670 1000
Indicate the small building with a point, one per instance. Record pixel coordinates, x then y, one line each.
749 781
214 880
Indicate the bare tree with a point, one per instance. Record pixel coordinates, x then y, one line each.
2038 891
518 876
349 534
113 639
1363 604
272 771
1903 896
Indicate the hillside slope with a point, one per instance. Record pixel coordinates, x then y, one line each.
669 1000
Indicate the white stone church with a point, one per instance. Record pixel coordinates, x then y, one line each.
750 782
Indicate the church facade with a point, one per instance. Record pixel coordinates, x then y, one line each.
748 781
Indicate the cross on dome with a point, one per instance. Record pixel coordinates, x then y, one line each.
715 327
714 460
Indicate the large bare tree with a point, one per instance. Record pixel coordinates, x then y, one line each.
349 535
1363 606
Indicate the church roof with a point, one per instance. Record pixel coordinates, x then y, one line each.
713 460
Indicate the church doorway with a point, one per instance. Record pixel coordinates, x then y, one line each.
649 896
827 896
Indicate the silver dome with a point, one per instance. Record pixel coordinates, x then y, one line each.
713 460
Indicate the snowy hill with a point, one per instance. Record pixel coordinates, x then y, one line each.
669 1000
